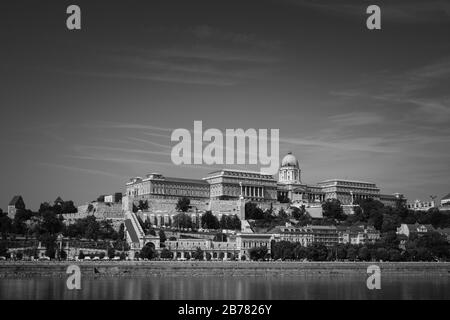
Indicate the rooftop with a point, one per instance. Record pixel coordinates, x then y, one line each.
447 197
15 200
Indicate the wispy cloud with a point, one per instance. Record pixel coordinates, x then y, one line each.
363 144
124 125
401 11
198 55
422 91
80 170
357 119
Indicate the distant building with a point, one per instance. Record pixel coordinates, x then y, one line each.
419 205
393 200
348 191
326 235
418 229
357 234
306 235
15 204
445 202
59 202
299 235
113 198
247 241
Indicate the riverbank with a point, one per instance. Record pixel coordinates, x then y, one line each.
13 269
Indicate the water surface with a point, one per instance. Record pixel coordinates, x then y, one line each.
240 288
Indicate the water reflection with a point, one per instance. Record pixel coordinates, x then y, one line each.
233 288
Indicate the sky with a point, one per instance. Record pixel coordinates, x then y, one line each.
83 111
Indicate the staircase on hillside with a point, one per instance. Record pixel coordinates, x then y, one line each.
134 233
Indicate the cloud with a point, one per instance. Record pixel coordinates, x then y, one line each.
84 148
209 32
363 144
124 125
81 170
401 11
356 119
432 110
421 92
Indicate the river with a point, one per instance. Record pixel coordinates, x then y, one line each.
228 287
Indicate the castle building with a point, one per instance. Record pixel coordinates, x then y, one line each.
156 185
290 187
225 191
15 204
231 184
419 205
445 201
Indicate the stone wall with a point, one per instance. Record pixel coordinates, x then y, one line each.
101 211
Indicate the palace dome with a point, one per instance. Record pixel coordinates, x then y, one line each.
289 160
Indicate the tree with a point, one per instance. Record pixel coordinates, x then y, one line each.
92 228
5 224
423 254
298 213
148 251
341 252
51 223
162 236
282 214
258 253
252 211
3 249
317 252
283 250
209 221
81 255
198 254
382 254
69 207
111 252
147 226
352 253
230 222
300 252
235 223
18 224
166 254
332 208
182 220
63 255
390 223
121 235
107 231
224 222
394 255
183 204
